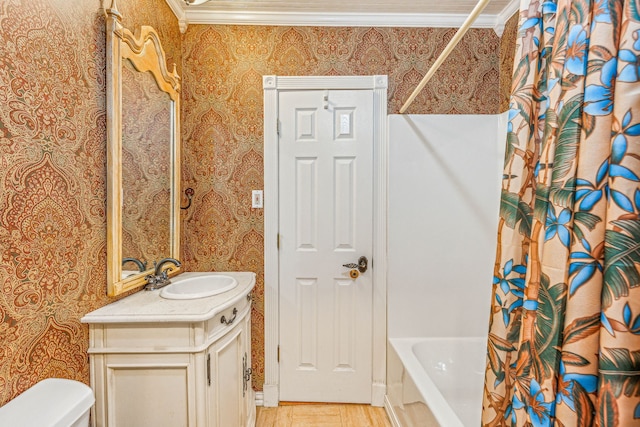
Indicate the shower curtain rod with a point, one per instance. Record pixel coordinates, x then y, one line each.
447 50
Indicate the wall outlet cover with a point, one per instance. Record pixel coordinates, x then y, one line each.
256 199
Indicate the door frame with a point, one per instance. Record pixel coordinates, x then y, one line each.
272 85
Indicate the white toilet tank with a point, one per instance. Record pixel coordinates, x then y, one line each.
53 402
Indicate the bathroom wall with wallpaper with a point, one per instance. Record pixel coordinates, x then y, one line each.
53 151
52 180
507 52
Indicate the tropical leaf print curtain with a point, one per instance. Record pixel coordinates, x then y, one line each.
564 333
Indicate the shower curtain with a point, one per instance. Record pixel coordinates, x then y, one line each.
564 332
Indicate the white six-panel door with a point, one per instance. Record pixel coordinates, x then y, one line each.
326 220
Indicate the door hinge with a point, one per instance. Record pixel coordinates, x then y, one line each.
278 241
209 369
278 354
278 126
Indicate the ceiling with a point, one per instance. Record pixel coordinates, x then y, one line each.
396 13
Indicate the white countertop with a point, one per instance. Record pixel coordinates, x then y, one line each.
149 306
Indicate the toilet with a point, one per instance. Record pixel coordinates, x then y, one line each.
53 402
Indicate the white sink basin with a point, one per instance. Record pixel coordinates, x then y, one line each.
198 285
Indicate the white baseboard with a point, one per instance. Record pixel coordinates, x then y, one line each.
392 415
378 394
379 399
270 396
259 398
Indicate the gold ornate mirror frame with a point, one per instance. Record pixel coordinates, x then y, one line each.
146 54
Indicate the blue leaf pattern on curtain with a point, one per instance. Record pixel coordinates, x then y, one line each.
564 332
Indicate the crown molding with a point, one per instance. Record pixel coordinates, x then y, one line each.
177 7
335 19
201 15
509 10
505 15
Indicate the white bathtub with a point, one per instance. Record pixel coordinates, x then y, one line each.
435 381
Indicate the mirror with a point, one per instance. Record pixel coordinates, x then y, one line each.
143 156
146 171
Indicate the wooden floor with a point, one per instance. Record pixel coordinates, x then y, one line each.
322 414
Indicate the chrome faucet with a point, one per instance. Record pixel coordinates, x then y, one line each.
160 278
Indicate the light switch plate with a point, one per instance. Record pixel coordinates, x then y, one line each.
256 199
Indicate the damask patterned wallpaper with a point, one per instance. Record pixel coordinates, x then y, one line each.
53 145
52 180
507 53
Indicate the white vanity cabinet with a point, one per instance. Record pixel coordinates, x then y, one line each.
173 363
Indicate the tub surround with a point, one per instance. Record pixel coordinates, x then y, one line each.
441 244
454 163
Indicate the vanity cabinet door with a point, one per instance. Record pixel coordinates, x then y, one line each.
144 390
224 380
